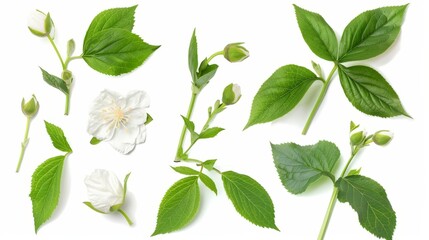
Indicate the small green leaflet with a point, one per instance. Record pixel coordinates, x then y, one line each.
205 75
193 56
211 132
185 170
191 128
58 139
179 206
208 182
55 82
369 200
249 199
95 141
318 35
280 93
369 92
118 206
209 164
110 47
46 179
371 33
299 166
122 18
45 189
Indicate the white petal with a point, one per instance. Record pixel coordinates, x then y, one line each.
104 190
138 99
124 139
36 21
123 148
136 117
99 125
141 138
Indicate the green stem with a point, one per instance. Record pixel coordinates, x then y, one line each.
214 55
182 135
333 200
319 100
126 217
24 143
67 107
69 59
57 52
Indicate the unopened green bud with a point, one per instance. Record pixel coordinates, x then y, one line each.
231 94
357 136
31 107
67 76
234 52
382 137
41 24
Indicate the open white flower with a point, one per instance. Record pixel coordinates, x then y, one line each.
105 192
119 120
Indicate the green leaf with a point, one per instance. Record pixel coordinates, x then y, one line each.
45 189
299 166
58 139
185 170
371 33
70 47
55 82
179 206
95 141
122 18
280 93
354 172
209 164
115 51
317 33
193 56
210 184
189 124
116 207
92 207
369 92
369 200
249 198
204 77
211 132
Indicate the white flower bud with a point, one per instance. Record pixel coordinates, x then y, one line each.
40 24
231 94
382 137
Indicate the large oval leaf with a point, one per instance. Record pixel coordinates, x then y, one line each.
112 18
280 93
116 51
317 33
371 33
250 199
369 92
45 189
299 166
179 206
370 201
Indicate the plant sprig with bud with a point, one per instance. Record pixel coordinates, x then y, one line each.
299 166
29 109
110 47
182 200
366 36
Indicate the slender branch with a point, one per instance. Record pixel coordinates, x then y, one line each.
24 144
319 100
63 65
182 135
125 216
214 55
67 106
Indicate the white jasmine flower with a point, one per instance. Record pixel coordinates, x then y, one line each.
105 192
119 120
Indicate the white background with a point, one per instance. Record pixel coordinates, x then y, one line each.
271 33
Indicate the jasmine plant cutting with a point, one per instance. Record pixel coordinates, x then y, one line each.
181 202
46 179
109 47
299 166
29 109
366 36
106 194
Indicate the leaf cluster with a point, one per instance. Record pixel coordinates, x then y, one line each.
366 36
46 179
